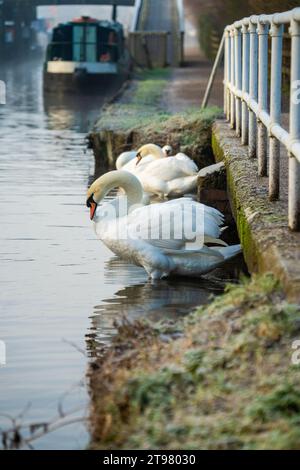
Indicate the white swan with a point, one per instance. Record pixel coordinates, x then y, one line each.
174 176
167 149
126 157
152 153
127 233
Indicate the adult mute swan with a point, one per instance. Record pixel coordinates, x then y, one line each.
126 157
154 152
173 176
147 235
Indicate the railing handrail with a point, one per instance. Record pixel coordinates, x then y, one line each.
275 18
246 97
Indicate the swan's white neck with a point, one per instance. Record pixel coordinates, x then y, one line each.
151 149
119 179
157 153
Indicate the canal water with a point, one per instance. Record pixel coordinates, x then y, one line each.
59 286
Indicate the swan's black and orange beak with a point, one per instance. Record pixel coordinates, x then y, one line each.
139 158
92 205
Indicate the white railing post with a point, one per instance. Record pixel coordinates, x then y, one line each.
294 165
238 77
252 88
263 31
275 109
232 79
225 80
229 81
226 73
245 83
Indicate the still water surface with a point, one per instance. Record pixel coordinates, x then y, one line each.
58 284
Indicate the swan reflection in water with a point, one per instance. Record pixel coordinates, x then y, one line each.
169 299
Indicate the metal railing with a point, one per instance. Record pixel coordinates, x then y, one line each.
252 110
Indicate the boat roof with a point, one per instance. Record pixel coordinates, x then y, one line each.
84 19
87 19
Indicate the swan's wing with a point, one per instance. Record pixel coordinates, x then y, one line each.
150 222
170 168
132 166
205 251
152 185
182 185
187 163
176 225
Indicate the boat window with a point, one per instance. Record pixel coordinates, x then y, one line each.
85 43
108 50
61 46
78 39
91 44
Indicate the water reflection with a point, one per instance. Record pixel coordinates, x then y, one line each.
51 265
169 299
73 110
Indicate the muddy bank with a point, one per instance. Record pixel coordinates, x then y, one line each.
221 378
141 115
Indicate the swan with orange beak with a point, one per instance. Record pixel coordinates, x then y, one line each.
147 236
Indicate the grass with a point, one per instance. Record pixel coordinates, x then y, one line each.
140 104
226 383
188 132
150 87
142 115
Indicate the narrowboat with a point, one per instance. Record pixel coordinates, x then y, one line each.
85 54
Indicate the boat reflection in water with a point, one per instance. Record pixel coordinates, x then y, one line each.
66 111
